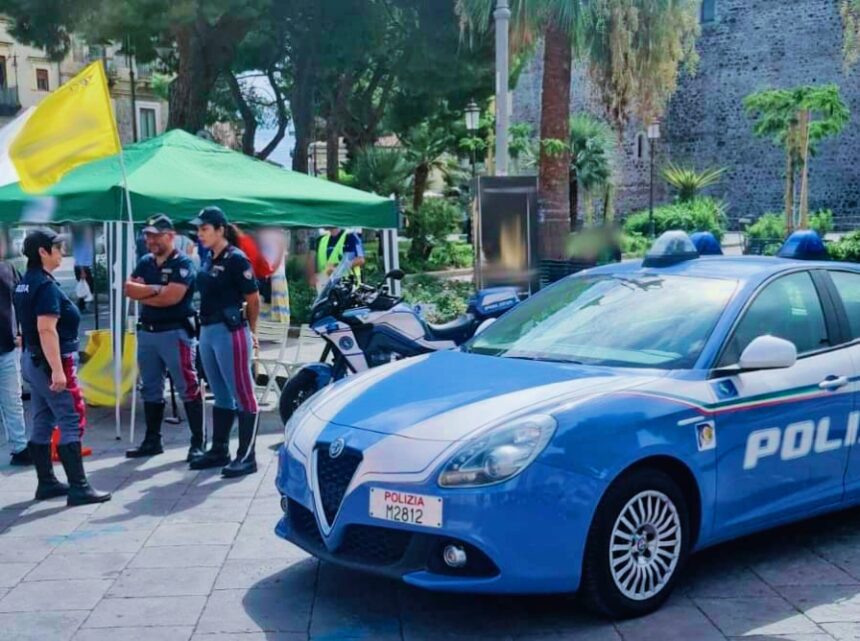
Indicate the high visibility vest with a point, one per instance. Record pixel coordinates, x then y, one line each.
324 260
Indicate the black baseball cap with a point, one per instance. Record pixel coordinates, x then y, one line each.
210 216
41 239
158 224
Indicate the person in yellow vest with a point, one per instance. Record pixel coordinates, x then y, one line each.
330 249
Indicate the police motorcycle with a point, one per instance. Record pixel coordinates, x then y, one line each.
364 326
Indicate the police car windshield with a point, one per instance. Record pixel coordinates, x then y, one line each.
336 276
652 321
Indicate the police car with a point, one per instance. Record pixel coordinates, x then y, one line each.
595 435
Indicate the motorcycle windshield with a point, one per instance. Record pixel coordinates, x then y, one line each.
336 276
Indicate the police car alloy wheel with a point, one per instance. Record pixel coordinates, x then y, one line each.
636 546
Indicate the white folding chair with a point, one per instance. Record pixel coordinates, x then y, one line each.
271 332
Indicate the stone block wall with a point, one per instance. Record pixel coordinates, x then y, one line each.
751 45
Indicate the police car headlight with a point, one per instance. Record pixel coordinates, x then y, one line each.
499 454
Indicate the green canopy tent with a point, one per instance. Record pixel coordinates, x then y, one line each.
179 174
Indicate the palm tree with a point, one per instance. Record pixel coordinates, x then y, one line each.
381 170
425 145
559 24
591 148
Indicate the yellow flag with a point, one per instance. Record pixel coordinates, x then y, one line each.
72 126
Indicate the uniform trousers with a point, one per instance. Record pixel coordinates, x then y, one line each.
226 357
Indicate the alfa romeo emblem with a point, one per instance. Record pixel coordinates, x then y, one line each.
336 448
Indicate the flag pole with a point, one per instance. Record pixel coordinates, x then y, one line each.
129 247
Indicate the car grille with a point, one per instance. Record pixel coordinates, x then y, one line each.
333 477
361 543
374 545
303 522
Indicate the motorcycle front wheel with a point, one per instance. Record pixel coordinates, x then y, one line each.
297 390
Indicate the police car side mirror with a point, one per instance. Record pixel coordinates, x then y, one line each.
768 352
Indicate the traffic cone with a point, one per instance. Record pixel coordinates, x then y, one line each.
55 440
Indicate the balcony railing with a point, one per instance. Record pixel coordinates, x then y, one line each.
9 102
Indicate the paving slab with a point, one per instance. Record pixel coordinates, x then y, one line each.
263 610
755 616
142 582
79 566
69 594
40 626
147 611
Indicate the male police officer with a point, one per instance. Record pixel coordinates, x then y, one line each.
163 283
330 249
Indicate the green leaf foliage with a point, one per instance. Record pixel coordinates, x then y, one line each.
700 214
431 225
688 182
847 248
380 170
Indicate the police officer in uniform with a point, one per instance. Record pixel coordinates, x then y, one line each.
333 247
229 307
49 327
163 282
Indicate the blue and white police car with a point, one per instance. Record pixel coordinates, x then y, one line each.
595 435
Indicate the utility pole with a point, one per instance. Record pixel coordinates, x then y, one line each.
502 15
129 58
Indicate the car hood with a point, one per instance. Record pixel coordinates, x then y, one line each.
448 395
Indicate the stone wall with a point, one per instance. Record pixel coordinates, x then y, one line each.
751 45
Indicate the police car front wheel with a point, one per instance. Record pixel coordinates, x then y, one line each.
636 546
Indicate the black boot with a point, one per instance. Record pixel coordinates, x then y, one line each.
219 454
245 461
80 491
153 414
49 487
194 414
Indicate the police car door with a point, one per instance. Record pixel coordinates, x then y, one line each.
846 290
781 432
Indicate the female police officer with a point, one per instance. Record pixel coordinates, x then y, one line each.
49 327
226 282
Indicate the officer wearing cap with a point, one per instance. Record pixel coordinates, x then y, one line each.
49 328
229 307
163 283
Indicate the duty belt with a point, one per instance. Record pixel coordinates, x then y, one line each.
161 327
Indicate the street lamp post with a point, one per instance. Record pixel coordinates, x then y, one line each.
473 113
502 15
653 137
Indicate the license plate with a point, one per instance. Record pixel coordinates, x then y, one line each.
404 507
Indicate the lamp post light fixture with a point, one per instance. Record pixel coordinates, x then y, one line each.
653 137
473 114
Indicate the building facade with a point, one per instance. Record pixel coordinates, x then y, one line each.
745 46
27 75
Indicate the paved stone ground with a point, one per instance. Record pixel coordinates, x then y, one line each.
181 555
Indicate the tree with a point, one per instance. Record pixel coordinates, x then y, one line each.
425 144
381 170
634 51
591 143
797 119
558 23
197 39
850 12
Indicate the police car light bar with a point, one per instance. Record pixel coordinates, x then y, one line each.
804 244
671 248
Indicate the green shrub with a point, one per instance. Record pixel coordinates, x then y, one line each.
769 226
634 245
302 296
822 221
430 226
700 214
446 299
847 248
450 255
